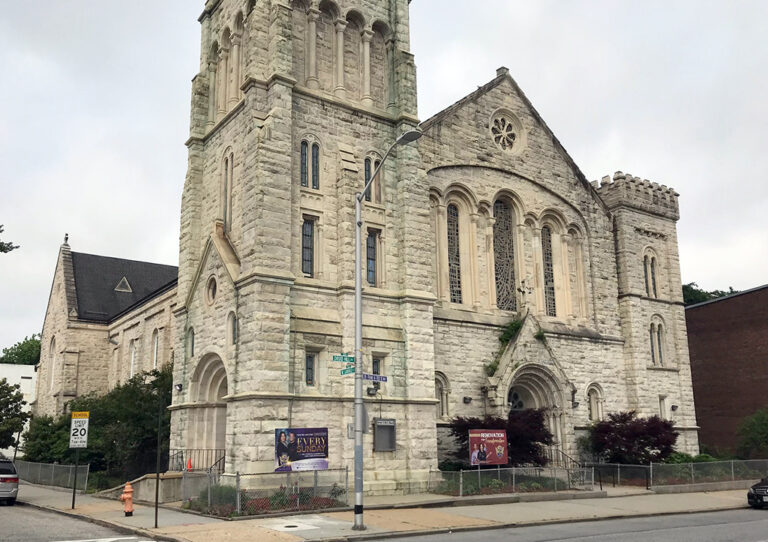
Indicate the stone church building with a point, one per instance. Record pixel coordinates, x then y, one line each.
483 221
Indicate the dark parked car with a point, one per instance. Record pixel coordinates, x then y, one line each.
757 496
9 481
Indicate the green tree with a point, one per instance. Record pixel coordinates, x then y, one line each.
6 246
692 294
12 415
753 435
122 429
26 352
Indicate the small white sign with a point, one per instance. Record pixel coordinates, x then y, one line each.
78 431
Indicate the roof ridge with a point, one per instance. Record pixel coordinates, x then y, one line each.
122 259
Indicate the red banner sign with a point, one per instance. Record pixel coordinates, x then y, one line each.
488 447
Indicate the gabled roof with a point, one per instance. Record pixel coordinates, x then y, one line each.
503 75
96 284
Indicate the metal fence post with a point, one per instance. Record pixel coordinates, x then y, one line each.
346 485
650 476
693 478
237 498
514 470
554 475
87 472
209 489
69 479
314 487
733 475
618 475
461 483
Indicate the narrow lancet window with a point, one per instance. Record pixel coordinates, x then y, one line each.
454 256
549 273
308 247
504 256
304 164
653 277
315 166
645 272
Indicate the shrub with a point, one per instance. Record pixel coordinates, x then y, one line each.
625 438
220 495
753 435
496 484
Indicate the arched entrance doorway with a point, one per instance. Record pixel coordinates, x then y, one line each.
209 419
536 387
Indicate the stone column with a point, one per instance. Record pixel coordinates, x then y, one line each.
367 36
443 275
222 73
234 91
474 266
340 91
212 90
391 98
312 16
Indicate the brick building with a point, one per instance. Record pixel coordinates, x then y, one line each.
728 344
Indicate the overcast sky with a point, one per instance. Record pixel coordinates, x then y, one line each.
94 112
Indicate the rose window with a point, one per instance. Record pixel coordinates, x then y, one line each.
504 133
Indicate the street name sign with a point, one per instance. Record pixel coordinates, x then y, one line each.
344 358
348 370
374 378
78 431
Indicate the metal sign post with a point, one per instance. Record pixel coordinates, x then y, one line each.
78 438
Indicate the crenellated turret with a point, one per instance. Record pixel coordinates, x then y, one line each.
628 191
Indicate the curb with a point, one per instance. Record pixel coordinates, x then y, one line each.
104 523
498 526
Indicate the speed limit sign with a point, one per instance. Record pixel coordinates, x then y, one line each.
78 431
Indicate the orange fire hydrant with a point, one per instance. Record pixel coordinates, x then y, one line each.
127 498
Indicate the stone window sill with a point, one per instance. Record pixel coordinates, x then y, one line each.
667 369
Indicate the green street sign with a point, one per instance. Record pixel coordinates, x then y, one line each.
348 370
344 358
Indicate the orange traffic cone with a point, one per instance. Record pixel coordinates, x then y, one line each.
189 463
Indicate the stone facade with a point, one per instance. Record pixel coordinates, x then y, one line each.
294 104
80 355
484 221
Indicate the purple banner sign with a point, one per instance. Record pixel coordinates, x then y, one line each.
301 449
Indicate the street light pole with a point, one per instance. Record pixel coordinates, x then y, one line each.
404 139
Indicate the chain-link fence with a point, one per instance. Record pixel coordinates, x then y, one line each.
714 471
509 480
253 494
53 474
619 474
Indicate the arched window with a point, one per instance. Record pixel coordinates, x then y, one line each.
315 166
549 273
155 348
454 256
228 169
594 404
52 355
190 343
232 320
515 400
652 333
653 277
309 164
660 342
304 164
373 193
504 256
133 357
213 62
645 273
441 394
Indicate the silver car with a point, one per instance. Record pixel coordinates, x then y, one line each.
9 481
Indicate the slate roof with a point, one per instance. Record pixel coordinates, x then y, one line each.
97 276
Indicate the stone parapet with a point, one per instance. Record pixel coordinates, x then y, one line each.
625 190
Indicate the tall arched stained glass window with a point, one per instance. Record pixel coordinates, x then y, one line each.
315 166
549 272
368 178
454 256
304 164
504 256
653 344
653 277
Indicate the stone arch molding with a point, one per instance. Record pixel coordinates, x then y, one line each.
209 383
209 388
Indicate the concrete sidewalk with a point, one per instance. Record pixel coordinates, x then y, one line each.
381 523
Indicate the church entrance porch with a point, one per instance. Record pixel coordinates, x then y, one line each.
206 437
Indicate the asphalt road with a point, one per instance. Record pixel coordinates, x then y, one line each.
739 525
26 524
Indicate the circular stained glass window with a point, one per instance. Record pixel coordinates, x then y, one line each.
507 131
